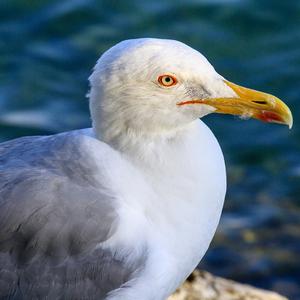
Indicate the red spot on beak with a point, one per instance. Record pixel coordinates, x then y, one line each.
269 116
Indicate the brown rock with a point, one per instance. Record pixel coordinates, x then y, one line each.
204 286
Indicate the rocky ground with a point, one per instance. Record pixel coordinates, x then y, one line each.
202 285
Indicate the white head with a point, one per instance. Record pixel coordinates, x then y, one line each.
150 86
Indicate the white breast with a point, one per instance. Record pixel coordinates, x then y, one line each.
175 198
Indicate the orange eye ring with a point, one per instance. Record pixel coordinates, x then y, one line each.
167 80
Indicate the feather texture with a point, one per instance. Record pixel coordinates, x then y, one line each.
54 214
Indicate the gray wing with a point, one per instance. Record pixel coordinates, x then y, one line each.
54 211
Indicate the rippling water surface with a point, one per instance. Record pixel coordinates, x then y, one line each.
47 50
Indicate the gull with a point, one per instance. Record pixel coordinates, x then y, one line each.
126 209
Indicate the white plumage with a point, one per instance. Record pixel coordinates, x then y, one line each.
127 209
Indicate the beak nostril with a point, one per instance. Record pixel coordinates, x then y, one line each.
260 101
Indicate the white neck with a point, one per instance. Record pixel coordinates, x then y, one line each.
185 167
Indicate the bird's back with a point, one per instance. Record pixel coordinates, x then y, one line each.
56 209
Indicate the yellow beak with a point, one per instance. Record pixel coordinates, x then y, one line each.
250 104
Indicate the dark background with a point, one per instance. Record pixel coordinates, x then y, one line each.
47 51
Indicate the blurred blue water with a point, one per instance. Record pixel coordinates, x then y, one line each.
47 50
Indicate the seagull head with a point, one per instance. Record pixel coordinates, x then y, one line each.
150 86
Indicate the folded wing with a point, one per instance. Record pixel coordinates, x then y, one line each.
56 210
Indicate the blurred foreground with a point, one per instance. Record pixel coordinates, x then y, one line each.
204 286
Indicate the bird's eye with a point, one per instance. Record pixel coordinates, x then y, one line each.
167 80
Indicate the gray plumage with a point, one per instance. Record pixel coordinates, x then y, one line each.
54 213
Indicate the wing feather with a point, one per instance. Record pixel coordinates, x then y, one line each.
55 211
